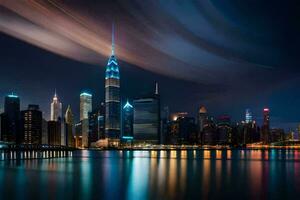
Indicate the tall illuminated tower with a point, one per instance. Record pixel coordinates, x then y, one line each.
56 108
85 109
85 105
266 126
248 116
112 97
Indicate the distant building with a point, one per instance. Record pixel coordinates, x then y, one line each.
32 125
202 118
85 109
96 125
54 132
10 120
85 105
164 125
224 130
127 126
56 109
69 127
112 99
276 135
78 135
183 130
209 133
265 129
44 132
248 116
146 119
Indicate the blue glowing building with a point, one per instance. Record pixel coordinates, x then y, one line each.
127 118
248 116
112 98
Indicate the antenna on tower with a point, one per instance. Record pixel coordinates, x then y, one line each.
113 39
156 88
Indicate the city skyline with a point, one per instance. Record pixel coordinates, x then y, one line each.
254 80
149 99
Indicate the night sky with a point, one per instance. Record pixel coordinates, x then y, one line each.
227 55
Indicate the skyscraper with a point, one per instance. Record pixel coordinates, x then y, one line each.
202 118
146 119
85 105
10 120
96 124
69 127
248 116
54 132
127 126
85 109
56 108
224 130
266 126
32 125
112 98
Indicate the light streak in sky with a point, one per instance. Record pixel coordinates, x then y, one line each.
158 37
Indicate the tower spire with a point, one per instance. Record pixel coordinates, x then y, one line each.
55 95
113 39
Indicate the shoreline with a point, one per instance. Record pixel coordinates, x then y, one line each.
189 149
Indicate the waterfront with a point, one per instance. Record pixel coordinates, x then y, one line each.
174 174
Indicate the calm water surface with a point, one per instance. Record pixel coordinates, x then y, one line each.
247 174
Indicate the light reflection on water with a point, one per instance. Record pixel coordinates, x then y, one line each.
155 175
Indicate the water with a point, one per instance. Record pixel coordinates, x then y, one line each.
240 174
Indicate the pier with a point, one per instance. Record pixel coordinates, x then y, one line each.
33 151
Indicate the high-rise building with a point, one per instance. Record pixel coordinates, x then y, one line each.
78 135
96 125
112 98
146 119
266 126
56 108
208 136
202 118
224 130
182 129
32 125
10 120
85 105
85 109
69 127
45 132
127 125
54 132
248 116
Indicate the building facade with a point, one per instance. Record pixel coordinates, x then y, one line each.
248 116
127 119
85 109
96 125
54 132
112 99
85 105
69 127
32 125
10 120
202 118
265 129
56 109
146 119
